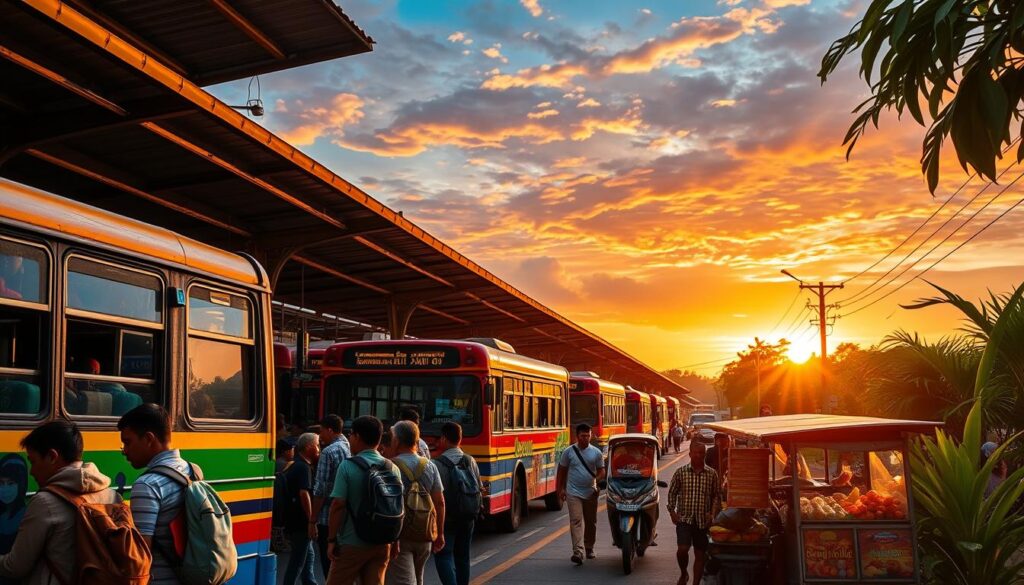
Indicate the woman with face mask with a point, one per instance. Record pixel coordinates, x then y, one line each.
13 487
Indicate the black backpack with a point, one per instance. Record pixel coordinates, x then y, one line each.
282 504
462 498
379 519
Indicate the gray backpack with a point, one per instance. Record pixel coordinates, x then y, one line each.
210 556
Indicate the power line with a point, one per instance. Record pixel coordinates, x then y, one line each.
683 368
795 325
951 252
943 241
792 303
864 293
925 222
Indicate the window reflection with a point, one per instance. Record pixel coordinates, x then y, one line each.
22 272
219 384
109 290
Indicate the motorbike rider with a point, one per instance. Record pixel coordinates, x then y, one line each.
693 500
579 469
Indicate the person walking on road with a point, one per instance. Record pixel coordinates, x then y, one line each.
334 449
693 501
462 502
677 436
424 508
579 469
300 522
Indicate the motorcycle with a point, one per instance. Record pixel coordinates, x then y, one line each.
632 494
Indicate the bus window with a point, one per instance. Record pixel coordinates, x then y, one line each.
113 338
220 356
508 407
632 413
23 325
584 409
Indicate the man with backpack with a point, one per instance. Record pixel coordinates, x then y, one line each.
56 543
579 469
412 415
334 449
424 508
463 501
186 524
366 515
300 521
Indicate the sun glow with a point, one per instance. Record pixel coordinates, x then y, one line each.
801 350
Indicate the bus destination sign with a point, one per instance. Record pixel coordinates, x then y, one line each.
411 357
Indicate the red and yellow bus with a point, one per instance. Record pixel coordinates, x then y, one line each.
638 411
100 313
599 403
673 412
513 409
298 390
659 420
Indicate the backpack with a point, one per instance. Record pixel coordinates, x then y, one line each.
420 524
281 502
462 499
210 557
379 519
109 550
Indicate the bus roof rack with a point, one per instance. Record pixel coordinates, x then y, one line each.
492 342
585 374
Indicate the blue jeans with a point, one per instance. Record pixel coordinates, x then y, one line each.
302 559
452 562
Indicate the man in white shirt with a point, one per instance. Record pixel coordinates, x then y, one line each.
579 469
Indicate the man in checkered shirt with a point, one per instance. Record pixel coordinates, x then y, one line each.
693 500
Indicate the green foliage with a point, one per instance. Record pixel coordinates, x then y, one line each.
953 65
969 538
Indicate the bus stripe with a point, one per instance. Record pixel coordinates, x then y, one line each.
250 530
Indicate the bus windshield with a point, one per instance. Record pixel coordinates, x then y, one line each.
439 399
584 410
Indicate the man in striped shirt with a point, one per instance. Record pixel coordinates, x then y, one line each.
693 500
156 499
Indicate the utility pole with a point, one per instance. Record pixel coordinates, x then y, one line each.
821 290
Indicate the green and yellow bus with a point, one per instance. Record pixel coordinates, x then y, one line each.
100 313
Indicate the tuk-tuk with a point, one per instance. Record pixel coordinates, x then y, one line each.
632 494
837 487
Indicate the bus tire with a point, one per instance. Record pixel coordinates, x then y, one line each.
552 502
509 520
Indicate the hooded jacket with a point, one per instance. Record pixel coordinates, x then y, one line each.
47 532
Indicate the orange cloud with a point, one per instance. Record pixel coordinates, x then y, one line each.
542 114
414 139
310 123
533 7
560 75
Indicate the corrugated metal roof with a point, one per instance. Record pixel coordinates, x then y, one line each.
816 427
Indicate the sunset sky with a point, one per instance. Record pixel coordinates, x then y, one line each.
645 168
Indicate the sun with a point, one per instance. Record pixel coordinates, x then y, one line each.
801 350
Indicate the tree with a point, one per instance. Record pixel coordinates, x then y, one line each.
738 380
955 63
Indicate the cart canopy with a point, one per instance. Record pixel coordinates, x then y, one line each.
813 428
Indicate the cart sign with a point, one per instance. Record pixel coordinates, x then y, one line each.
748 478
886 553
828 554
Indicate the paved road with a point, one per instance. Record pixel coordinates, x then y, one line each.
540 549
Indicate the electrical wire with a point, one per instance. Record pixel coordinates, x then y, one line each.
951 252
799 293
943 241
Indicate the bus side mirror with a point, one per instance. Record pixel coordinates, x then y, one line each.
662 483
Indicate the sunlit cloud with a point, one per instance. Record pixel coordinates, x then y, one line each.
533 7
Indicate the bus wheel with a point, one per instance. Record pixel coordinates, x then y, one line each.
552 502
509 521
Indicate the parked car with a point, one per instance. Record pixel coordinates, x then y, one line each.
695 427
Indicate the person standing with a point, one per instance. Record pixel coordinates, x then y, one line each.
579 469
420 532
693 500
46 540
300 523
334 448
351 557
462 500
157 499
412 415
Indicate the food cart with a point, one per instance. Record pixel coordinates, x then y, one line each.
848 515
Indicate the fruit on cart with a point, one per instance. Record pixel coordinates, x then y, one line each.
875 506
822 509
757 531
720 534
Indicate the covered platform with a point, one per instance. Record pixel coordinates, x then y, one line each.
102 102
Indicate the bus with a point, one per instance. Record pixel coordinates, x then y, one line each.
659 420
100 313
674 411
599 403
638 411
513 409
298 391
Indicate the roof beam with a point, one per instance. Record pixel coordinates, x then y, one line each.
339 274
90 169
206 154
62 81
448 316
247 27
88 10
396 258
